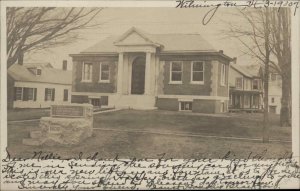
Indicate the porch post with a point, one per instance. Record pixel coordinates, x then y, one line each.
147 73
120 73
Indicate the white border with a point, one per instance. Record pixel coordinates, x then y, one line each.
4 4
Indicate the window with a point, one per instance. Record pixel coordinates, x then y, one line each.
38 71
197 72
256 84
28 94
185 106
66 92
104 73
18 93
49 94
104 100
25 94
273 77
222 109
246 83
239 83
95 102
176 72
223 74
87 72
273 100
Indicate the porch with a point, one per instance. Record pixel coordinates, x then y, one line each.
245 101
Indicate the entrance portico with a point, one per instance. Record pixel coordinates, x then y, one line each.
136 70
136 79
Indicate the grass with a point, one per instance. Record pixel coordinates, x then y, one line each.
134 144
24 114
231 125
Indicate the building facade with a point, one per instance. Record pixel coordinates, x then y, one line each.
180 72
37 85
275 92
246 89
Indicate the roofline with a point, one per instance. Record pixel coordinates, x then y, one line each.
215 53
244 73
161 53
95 54
40 82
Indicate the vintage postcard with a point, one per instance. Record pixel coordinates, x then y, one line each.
101 95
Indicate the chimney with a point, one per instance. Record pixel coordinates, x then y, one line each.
65 65
21 58
234 60
221 51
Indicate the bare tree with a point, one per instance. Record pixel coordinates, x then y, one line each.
281 41
267 38
39 28
256 38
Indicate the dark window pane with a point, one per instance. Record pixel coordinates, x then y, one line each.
186 106
176 76
198 66
25 94
104 76
104 100
182 106
18 93
65 95
30 93
104 67
176 66
197 76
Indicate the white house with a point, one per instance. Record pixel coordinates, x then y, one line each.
38 85
275 93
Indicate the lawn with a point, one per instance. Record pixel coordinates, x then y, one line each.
248 125
25 114
131 133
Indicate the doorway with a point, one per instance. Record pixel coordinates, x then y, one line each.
138 76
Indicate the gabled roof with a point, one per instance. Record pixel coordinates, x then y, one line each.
41 65
138 32
250 71
167 42
49 75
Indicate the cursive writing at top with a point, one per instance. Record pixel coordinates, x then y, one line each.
249 3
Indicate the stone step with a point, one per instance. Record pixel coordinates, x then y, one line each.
31 142
35 134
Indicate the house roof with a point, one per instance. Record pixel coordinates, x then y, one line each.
249 71
49 75
41 65
167 42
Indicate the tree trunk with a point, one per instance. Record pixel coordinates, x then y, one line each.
21 58
266 104
266 78
285 111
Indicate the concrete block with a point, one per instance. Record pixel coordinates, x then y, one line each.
31 142
35 134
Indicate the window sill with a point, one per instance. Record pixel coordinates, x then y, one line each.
86 81
174 82
104 82
197 83
24 101
223 85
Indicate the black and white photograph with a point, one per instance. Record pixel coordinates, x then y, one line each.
182 84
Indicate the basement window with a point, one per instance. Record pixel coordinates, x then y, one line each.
185 106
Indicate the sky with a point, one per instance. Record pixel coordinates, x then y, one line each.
116 21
